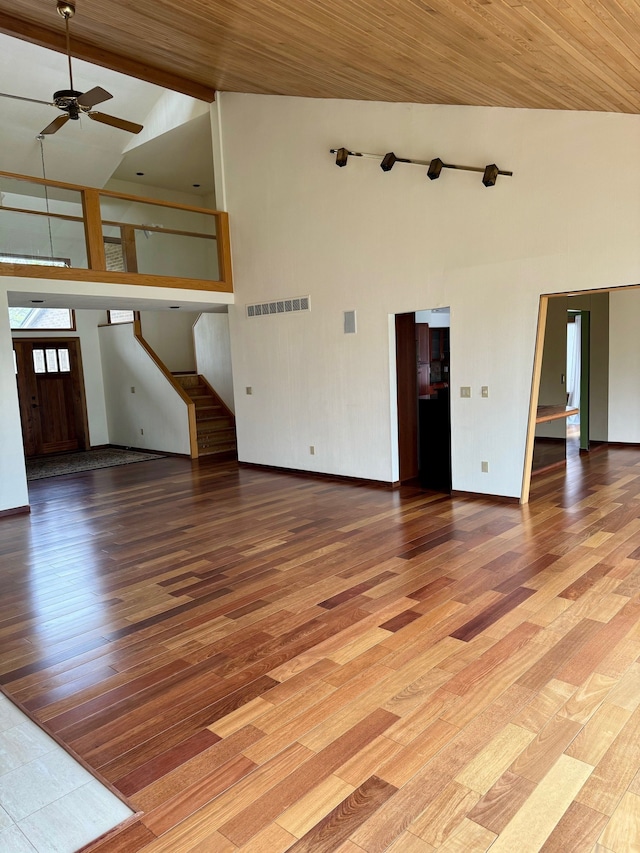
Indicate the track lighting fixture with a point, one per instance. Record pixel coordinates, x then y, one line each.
389 160
342 155
435 166
490 176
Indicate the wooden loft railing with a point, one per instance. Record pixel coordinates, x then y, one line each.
90 202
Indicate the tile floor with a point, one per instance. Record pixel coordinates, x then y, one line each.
48 802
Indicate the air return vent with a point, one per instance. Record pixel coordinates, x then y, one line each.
290 305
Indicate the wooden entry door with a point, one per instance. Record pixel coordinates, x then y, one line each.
51 392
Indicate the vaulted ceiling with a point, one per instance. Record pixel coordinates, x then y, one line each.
555 54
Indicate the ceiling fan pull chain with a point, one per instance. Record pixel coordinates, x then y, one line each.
40 139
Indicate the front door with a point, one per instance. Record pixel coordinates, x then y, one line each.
51 392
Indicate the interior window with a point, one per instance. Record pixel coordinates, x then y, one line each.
34 260
121 316
42 318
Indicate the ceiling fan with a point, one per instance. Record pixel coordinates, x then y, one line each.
73 103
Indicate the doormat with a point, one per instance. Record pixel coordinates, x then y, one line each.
73 463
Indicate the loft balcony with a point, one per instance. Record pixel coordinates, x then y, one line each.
50 229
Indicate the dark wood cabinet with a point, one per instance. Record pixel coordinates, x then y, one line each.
433 358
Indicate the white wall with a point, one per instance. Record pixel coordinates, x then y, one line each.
356 237
87 330
624 366
155 407
13 478
170 336
213 354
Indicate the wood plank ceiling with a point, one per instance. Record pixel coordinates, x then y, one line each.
550 54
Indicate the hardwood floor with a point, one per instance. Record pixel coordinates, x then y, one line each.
263 662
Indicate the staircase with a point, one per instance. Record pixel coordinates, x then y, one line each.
215 423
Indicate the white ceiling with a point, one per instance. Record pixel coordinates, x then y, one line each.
45 298
86 152
91 154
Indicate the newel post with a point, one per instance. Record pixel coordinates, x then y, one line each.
96 259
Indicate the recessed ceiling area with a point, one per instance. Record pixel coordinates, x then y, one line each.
189 151
544 54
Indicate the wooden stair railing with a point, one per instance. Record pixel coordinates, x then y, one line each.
215 422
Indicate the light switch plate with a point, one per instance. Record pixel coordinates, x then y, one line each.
484 391
465 391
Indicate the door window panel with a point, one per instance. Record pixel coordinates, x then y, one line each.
39 365
63 360
52 361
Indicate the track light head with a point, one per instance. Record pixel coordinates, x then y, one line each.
490 175
342 155
435 167
388 162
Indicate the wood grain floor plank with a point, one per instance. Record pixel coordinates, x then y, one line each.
535 821
241 828
614 771
578 829
340 823
244 651
444 814
502 802
303 815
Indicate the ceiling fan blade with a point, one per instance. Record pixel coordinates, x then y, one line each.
120 123
31 100
55 125
94 96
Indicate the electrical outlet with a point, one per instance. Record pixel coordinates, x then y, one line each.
484 391
312 449
465 391
249 389
484 467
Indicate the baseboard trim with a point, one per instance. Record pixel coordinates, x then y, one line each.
143 450
621 443
16 510
300 472
500 499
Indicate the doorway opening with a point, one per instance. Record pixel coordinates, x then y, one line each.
51 395
423 403
569 405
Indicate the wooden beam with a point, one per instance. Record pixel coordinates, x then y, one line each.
53 40
113 277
